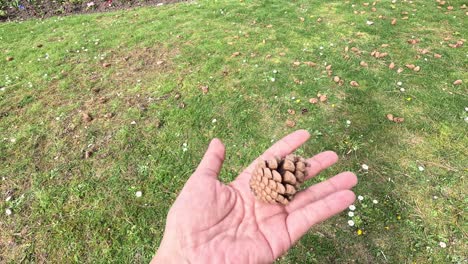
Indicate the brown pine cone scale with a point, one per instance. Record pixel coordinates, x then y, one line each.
277 180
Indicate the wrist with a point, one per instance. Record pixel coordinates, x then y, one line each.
166 255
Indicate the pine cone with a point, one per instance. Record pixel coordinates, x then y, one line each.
277 180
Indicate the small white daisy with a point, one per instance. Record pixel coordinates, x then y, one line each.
352 207
8 199
133 123
214 120
348 122
365 167
272 79
275 71
402 89
351 223
360 198
8 211
138 194
399 83
351 214
442 244
466 109
420 168
375 201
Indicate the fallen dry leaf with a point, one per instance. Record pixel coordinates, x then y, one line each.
346 49
313 100
385 45
354 49
310 64
336 79
181 105
290 123
268 56
86 117
160 62
354 84
109 115
106 65
291 112
373 9
204 88
323 98
302 19
417 68
9 58
437 56
394 21
235 54
297 63
413 41
297 81
390 117
282 54
304 111
457 82
410 66
391 66
449 7
398 119
423 51
88 153
328 67
400 70
363 64
319 19
269 26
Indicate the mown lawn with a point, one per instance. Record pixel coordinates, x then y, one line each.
94 108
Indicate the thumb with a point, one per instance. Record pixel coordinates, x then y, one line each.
213 160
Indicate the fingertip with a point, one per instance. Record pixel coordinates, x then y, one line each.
351 177
332 155
303 133
216 142
347 197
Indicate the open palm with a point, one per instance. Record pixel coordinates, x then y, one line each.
211 222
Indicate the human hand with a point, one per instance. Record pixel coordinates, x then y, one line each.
213 222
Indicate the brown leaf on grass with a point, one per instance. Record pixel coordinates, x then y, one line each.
290 123
463 6
417 68
394 21
106 65
423 51
297 81
319 20
437 56
391 66
282 54
457 82
356 50
203 88
363 64
268 56
374 52
9 58
449 7
313 100
323 98
341 82
398 119
336 79
346 49
457 45
354 84
302 19
88 153
410 66
291 112
385 45
160 62
310 64
373 9
390 117
413 41
235 54
400 70
269 26
109 115
39 45
181 105
86 117
304 111
328 67
297 63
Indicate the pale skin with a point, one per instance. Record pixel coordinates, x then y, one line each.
213 222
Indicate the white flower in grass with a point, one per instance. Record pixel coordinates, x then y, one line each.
138 194
360 198
133 123
272 79
352 207
8 199
214 120
375 201
365 167
399 83
466 109
442 244
351 214
348 122
351 223
8 211
420 168
402 89
184 147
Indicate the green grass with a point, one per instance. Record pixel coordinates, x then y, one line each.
70 209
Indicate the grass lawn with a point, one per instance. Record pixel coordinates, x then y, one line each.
94 108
